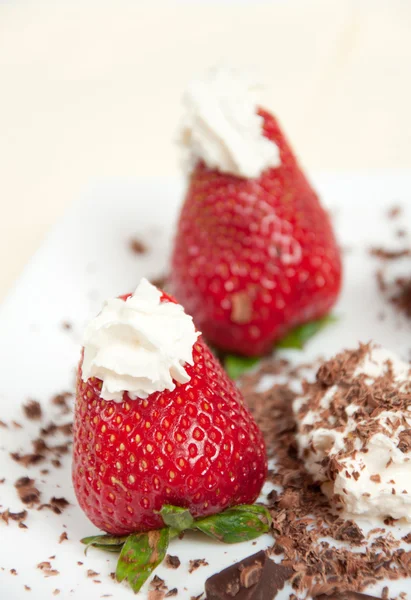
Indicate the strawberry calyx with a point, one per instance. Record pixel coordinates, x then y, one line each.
141 553
236 365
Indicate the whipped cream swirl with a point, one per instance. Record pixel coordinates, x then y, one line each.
221 126
139 346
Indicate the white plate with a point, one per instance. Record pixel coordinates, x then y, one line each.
86 259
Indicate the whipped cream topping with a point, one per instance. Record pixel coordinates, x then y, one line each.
354 432
221 126
139 346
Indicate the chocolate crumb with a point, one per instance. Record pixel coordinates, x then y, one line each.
46 568
91 573
27 459
32 410
394 211
19 516
157 583
159 282
63 537
196 564
375 478
27 588
350 532
67 325
171 593
56 505
172 562
137 246
61 400
156 595
56 592
384 254
27 491
3 424
13 572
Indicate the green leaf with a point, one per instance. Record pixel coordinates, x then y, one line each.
110 543
237 524
141 554
298 337
176 517
237 365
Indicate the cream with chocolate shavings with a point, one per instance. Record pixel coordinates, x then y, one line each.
354 432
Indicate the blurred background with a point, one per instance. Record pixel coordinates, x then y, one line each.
91 89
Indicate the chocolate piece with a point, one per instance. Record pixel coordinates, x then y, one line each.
172 562
254 578
251 575
346 596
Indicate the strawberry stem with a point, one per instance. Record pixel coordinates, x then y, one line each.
238 524
141 553
176 517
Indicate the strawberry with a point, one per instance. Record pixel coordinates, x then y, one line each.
254 258
139 463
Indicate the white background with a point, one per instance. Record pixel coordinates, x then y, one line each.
91 89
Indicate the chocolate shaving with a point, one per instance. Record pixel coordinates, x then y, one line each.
32 410
157 583
56 505
302 515
389 254
46 568
172 562
91 573
196 564
26 460
18 516
27 492
350 532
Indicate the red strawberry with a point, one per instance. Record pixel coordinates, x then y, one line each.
195 447
254 258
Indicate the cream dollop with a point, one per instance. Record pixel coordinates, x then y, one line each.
222 128
372 471
139 346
